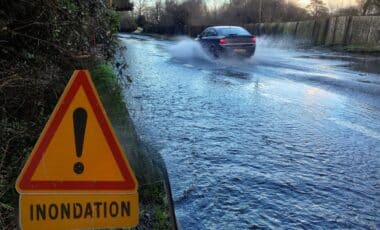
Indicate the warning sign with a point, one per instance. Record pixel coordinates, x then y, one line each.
77 175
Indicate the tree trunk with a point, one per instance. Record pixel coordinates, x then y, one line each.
366 6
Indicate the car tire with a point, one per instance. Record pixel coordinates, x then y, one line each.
214 52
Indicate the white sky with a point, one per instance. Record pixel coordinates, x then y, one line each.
332 4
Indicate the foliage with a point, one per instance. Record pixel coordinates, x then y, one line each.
105 80
41 43
114 21
123 5
161 219
127 23
110 89
155 206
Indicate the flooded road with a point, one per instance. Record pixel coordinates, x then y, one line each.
287 139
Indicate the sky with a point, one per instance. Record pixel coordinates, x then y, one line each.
332 4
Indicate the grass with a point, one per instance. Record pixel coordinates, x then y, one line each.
358 48
154 206
106 82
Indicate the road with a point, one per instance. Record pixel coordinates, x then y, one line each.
287 139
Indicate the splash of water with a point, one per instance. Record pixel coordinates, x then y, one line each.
276 42
187 48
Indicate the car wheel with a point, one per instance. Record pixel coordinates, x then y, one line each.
214 52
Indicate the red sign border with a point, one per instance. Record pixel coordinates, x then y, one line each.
80 78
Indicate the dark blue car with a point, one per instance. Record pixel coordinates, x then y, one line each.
228 41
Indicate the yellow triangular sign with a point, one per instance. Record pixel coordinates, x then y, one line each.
78 150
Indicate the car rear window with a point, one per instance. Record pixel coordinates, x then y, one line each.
232 31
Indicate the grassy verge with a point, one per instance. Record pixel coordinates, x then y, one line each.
357 48
154 205
109 88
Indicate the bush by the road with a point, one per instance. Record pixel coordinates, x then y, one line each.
127 23
41 43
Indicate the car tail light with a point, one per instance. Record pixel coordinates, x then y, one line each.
222 41
254 39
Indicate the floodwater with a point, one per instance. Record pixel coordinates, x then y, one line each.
287 139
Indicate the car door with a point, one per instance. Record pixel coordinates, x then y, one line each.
212 37
209 37
203 37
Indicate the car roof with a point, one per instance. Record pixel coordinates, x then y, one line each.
225 27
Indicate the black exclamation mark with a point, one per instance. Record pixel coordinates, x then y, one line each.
79 119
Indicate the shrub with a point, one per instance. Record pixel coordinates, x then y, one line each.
127 23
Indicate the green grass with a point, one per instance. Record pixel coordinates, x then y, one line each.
106 81
154 202
161 219
154 208
110 91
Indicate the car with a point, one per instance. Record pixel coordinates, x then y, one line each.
222 41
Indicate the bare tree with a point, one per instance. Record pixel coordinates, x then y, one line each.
369 6
158 11
317 8
140 6
122 5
